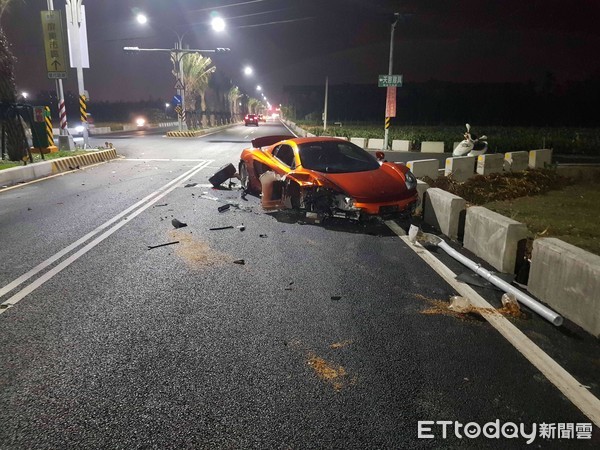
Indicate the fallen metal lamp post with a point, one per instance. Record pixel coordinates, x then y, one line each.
531 303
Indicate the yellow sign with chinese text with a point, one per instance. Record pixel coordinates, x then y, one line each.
54 44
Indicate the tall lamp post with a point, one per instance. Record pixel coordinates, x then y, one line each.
177 55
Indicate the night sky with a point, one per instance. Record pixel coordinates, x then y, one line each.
300 42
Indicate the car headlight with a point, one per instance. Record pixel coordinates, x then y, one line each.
79 128
410 180
140 121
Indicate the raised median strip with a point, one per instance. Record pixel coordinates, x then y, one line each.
70 162
42 169
197 133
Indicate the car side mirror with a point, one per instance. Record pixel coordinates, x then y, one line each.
380 156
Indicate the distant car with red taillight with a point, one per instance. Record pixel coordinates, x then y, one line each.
251 119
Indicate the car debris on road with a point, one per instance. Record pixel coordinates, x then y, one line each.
177 224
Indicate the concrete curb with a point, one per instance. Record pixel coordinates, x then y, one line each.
197 133
15 175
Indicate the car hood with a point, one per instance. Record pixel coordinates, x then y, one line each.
380 185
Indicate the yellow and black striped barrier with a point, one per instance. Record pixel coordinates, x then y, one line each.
75 162
185 133
83 108
388 120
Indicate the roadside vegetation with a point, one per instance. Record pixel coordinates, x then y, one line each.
564 140
549 204
4 164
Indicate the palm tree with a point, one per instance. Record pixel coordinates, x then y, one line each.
234 94
197 71
16 142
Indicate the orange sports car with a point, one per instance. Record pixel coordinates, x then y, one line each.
328 176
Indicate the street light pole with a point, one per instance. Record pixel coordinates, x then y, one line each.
177 55
390 68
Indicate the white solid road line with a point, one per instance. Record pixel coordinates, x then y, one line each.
583 399
145 203
161 159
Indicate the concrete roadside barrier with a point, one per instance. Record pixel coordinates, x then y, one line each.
424 168
493 237
516 161
567 278
490 163
400 145
421 189
375 144
538 159
358 141
444 211
432 147
461 167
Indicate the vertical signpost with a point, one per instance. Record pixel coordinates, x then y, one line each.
78 52
391 82
56 65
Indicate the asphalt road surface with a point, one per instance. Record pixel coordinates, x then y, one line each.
328 336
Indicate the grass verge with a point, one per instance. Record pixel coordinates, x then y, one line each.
570 214
48 156
549 204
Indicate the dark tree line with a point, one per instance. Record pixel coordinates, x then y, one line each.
438 102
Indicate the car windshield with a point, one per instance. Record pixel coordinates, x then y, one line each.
336 157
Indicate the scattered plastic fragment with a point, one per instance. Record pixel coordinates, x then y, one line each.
460 304
150 247
222 175
224 207
241 227
190 185
262 235
229 227
177 224
413 232
336 297
162 204
239 261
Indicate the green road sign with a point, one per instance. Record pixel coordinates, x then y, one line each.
54 44
390 81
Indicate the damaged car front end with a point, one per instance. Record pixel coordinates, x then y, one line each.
327 177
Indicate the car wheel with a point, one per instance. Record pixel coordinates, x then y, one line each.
244 176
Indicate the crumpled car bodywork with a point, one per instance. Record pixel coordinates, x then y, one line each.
329 176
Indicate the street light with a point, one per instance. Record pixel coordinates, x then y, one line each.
177 54
218 24
24 95
248 71
259 88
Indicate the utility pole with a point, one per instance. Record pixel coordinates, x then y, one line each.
77 32
325 108
391 65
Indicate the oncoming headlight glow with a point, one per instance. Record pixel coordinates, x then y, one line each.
140 121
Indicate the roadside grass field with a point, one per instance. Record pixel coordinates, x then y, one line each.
564 140
570 214
549 204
